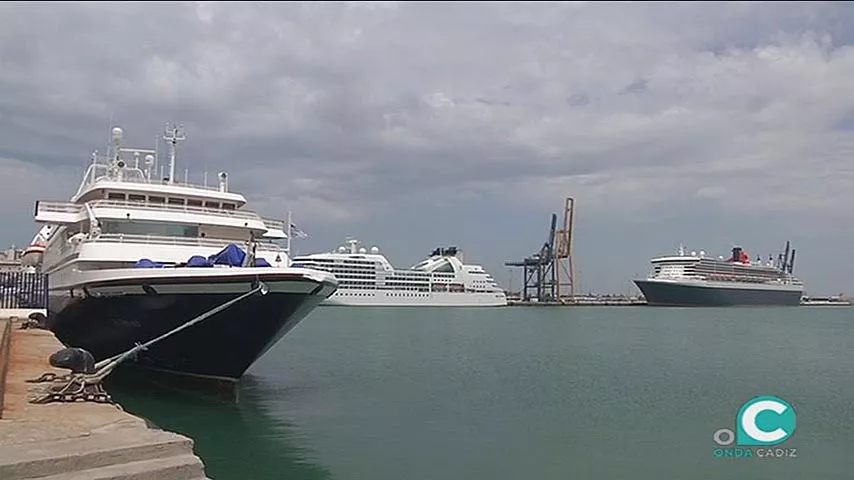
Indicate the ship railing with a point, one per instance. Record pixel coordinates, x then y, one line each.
59 207
182 241
165 207
274 224
67 207
132 175
676 276
751 279
23 290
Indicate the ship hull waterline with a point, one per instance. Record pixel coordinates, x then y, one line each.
109 318
344 297
684 294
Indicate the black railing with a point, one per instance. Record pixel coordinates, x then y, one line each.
23 290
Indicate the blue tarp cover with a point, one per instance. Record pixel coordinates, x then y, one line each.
146 263
230 255
199 261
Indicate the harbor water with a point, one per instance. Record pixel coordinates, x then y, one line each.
540 393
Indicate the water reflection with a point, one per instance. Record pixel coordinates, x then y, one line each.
235 441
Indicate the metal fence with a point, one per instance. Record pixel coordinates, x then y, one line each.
23 290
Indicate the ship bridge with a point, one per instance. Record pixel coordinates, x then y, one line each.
441 260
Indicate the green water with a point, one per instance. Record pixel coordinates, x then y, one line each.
539 393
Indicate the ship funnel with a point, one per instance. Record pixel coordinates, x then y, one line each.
736 254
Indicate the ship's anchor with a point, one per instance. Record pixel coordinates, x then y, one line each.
84 383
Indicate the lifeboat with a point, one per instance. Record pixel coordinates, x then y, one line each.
33 254
38 247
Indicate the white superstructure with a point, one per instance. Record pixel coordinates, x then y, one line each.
122 213
367 278
733 272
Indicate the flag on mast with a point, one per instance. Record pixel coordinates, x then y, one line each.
294 230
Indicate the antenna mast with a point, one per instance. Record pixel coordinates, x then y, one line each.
173 136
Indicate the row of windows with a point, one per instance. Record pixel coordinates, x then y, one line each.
134 197
738 273
343 269
352 281
150 228
339 271
444 270
716 270
375 287
343 290
361 294
716 264
396 278
355 267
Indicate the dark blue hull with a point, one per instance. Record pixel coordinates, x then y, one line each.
676 294
221 347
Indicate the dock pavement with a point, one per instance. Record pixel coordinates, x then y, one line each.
75 440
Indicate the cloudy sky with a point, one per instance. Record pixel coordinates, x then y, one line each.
414 125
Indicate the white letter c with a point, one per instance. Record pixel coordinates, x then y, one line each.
748 421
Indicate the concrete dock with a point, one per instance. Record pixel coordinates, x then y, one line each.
80 440
582 302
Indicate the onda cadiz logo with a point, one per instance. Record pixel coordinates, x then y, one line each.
761 425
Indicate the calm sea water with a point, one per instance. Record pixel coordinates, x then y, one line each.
539 393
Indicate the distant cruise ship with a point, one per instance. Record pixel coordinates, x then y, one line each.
698 280
369 279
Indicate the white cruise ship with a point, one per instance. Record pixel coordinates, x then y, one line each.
367 278
131 257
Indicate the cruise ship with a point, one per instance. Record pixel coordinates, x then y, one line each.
133 256
367 278
699 280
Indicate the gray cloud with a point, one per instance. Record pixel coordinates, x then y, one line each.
350 112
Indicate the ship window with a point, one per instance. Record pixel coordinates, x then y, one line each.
228 206
115 196
445 268
421 265
150 228
211 204
156 199
194 203
136 198
176 201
